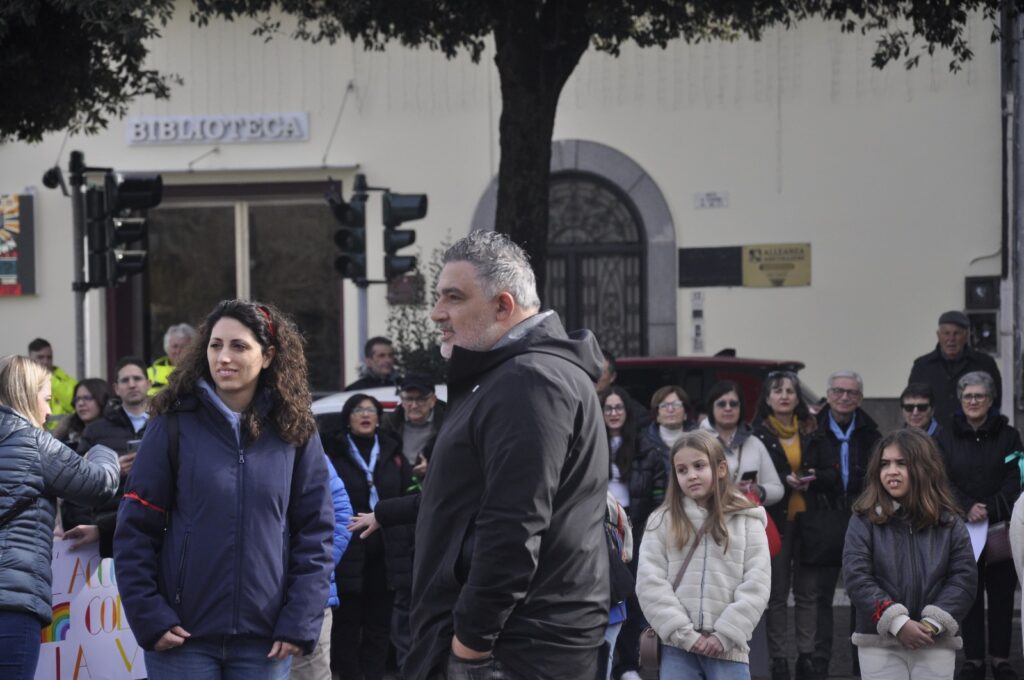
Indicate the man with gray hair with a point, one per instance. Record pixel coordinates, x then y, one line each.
839 454
176 341
952 358
510 578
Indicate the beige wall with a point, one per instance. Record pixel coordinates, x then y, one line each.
894 176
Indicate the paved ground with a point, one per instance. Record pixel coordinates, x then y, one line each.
840 668
842 651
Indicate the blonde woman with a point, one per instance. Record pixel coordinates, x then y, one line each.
35 469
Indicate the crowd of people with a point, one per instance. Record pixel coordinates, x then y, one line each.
542 524
813 467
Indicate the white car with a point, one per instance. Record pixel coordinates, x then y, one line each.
328 409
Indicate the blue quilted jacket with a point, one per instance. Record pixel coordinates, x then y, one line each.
35 469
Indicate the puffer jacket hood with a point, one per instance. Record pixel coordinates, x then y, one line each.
35 469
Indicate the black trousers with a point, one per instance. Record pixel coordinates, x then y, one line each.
360 635
999 581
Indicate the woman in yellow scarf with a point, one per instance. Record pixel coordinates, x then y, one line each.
783 423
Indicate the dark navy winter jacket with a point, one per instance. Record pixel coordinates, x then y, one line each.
247 549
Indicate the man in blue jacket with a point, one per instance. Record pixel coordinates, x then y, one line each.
510 574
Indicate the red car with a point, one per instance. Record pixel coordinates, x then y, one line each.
642 376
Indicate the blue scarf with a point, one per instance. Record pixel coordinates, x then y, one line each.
934 425
844 449
367 469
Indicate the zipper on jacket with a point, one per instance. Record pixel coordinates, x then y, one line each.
913 569
181 569
240 539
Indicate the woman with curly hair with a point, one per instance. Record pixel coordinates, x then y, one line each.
223 541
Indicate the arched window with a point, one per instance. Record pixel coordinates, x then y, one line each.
595 261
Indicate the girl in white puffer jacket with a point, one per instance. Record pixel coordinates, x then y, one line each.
706 622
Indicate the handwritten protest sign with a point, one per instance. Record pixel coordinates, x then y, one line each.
89 638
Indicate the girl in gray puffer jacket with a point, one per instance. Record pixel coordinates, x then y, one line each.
35 469
908 564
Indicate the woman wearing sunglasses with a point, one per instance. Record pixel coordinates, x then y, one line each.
752 472
750 466
918 404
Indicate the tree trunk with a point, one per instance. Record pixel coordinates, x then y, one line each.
535 55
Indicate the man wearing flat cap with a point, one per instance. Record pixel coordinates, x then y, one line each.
950 359
418 417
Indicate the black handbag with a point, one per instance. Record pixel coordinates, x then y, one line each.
822 532
623 583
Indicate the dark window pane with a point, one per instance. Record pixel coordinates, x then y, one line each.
191 266
292 266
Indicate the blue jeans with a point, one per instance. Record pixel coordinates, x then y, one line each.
679 665
226 657
19 640
611 633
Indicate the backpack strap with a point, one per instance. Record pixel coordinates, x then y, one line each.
173 436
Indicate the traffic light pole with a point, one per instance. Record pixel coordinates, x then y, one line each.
364 320
76 170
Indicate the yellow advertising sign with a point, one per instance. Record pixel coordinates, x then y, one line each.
773 265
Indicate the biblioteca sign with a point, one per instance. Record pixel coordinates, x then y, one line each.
235 129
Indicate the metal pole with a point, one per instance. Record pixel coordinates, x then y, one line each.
363 320
76 169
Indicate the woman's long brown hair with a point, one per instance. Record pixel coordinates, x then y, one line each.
286 377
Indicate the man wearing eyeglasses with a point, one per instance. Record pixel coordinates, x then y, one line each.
918 410
417 419
121 428
951 359
842 445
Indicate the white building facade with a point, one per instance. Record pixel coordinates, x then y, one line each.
894 178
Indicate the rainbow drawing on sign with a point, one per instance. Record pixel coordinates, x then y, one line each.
61 624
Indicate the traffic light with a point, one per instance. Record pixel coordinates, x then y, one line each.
399 208
128 197
351 234
96 237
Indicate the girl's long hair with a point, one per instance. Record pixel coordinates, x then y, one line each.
286 378
929 496
723 499
627 449
21 380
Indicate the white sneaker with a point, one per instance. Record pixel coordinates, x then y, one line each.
630 675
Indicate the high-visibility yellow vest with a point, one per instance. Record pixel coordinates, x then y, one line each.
158 374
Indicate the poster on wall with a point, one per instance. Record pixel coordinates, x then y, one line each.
89 636
17 246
